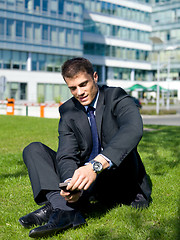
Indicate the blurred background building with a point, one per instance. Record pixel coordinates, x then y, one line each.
122 39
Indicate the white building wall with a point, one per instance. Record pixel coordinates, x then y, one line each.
32 79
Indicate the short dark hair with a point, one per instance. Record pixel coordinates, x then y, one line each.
75 65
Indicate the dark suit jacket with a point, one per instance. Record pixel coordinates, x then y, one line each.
119 126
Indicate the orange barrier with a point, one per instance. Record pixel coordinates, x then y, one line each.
10 106
42 110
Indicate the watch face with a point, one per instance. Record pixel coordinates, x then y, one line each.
97 167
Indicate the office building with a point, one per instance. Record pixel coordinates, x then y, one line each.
37 36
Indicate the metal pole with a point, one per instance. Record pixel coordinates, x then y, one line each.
26 110
158 76
168 79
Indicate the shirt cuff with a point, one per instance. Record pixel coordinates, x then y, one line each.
108 160
68 180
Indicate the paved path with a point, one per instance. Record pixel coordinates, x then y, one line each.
170 120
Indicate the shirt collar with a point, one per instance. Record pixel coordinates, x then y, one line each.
94 102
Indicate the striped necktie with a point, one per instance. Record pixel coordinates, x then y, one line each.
96 143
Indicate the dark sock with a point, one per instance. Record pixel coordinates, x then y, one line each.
57 201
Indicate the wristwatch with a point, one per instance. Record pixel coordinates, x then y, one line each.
97 166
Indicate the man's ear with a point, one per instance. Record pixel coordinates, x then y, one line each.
95 77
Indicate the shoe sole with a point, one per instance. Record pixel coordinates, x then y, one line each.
47 232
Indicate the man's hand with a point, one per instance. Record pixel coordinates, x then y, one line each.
70 196
82 179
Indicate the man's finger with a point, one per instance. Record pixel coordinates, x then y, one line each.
74 181
87 186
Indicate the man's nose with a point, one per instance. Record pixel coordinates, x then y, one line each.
80 91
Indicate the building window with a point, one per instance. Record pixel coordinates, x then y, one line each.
77 8
1 26
49 92
61 36
53 6
15 59
53 35
10 28
10 3
35 61
45 5
28 31
60 6
24 56
19 28
49 63
6 59
52 92
23 91
29 5
42 61
69 37
168 36
37 33
16 90
20 4
77 38
45 32
37 5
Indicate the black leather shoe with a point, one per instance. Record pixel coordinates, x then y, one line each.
140 202
37 217
59 220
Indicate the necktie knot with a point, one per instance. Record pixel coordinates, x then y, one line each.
90 109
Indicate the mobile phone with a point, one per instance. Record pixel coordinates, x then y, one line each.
63 186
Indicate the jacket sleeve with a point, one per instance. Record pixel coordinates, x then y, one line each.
68 152
129 128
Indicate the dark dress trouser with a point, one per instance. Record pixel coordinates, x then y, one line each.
41 164
119 184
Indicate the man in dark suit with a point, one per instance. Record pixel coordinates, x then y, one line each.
99 130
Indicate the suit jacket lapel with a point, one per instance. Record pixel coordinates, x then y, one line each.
99 112
82 122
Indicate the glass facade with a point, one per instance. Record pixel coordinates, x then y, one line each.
47 62
166 27
39 26
52 92
108 8
13 59
166 18
35 33
116 52
10 59
16 90
119 32
64 9
117 73
119 23
39 35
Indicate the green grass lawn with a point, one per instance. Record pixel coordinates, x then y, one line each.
160 152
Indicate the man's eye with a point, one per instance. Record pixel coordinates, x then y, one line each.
83 84
72 88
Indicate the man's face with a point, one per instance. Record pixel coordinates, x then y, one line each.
83 87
